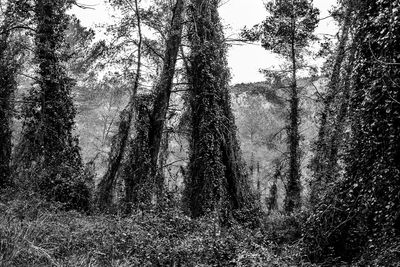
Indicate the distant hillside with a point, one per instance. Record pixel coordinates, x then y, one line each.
268 90
258 88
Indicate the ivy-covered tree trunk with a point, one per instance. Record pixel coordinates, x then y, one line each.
336 141
48 144
373 166
293 196
7 87
323 166
217 180
361 213
104 195
162 92
49 114
139 183
142 181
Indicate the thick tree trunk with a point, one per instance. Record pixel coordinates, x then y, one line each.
217 180
49 112
336 140
163 91
139 184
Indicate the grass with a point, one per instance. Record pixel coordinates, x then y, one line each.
36 233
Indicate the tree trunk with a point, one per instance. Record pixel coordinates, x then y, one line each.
272 203
48 114
7 87
293 199
217 181
321 167
336 140
163 92
143 182
119 143
106 185
139 184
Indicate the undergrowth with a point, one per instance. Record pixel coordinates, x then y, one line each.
34 232
38 233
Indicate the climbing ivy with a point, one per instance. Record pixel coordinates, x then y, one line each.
217 181
362 211
48 146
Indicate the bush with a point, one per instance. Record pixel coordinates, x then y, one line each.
283 229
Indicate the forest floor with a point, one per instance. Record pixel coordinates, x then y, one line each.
36 233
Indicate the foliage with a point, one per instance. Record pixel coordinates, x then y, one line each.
287 22
14 15
333 118
48 147
217 181
362 210
33 232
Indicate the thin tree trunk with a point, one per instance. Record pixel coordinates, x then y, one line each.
333 88
163 91
273 191
118 148
7 87
144 185
322 170
293 199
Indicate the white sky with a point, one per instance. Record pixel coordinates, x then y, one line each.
244 60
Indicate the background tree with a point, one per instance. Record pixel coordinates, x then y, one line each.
217 181
287 31
14 19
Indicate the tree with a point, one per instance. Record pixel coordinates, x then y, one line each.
48 144
331 124
141 170
361 213
287 31
121 139
162 91
15 19
144 182
217 181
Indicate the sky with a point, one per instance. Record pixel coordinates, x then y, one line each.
245 61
